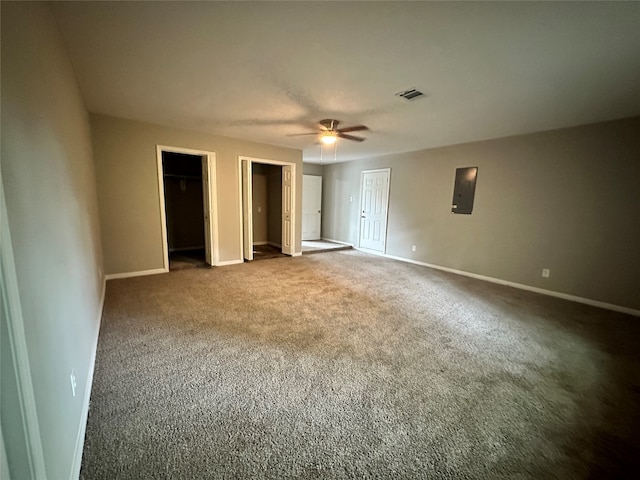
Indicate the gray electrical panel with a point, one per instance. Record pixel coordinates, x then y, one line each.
464 190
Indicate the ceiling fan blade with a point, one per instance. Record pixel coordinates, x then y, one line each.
300 134
355 128
350 137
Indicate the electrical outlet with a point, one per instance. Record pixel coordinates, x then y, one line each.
546 272
413 248
351 198
72 377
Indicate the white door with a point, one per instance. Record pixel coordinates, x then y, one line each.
206 199
311 207
247 210
287 210
374 205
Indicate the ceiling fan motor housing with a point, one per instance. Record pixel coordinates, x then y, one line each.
329 124
330 127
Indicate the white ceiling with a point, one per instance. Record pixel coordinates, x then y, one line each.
262 71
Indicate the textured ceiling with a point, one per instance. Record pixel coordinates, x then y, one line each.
265 70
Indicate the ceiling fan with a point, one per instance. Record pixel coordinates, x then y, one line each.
329 132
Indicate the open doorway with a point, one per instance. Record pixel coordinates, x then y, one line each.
267 208
266 197
187 195
184 210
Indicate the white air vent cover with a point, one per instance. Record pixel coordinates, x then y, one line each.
410 94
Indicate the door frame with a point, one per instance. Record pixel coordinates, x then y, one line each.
246 208
294 206
18 352
386 219
212 200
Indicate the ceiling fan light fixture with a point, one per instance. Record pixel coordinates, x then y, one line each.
328 138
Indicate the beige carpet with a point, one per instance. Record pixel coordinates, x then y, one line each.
265 252
321 246
181 260
345 365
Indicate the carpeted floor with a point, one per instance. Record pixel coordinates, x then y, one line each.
346 365
321 246
264 252
184 259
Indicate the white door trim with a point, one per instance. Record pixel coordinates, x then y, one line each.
213 198
212 209
12 314
287 236
246 218
294 205
386 220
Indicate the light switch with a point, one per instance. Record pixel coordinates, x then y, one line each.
259 209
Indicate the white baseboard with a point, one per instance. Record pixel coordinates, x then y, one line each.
113 276
375 252
521 286
261 243
77 454
229 262
337 241
296 254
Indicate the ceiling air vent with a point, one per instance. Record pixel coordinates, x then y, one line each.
410 94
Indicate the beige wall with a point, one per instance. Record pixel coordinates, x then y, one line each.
49 181
128 198
567 200
313 169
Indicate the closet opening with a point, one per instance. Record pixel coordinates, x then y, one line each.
267 210
188 207
184 210
267 193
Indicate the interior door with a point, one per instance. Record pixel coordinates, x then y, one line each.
311 207
247 210
287 208
206 198
374 204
